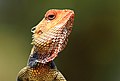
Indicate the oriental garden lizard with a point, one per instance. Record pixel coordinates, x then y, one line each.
50 37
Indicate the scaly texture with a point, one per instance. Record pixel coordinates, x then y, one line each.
51 34
50 37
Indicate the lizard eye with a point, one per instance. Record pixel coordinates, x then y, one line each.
50 15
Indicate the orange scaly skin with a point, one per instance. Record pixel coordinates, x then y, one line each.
50 37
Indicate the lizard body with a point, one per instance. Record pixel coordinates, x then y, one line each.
50 37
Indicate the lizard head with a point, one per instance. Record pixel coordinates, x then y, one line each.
51 34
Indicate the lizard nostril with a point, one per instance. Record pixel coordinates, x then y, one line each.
39 32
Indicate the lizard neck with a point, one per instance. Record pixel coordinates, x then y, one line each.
43 54
34 60
48 65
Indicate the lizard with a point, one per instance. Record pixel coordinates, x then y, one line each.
50 37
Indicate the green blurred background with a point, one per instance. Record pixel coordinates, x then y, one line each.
93 50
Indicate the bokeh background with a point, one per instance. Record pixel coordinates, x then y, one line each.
93 50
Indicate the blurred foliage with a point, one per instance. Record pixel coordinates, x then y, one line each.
92 53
